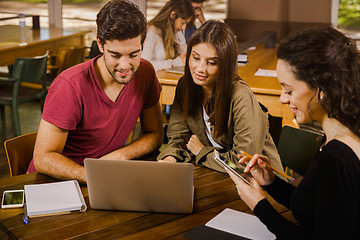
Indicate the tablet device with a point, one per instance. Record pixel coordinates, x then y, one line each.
243 176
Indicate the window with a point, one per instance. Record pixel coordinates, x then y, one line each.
349 15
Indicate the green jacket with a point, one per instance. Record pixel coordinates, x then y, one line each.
248 130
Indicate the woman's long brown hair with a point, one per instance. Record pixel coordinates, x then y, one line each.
221 37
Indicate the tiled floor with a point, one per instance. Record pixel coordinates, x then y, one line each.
30 113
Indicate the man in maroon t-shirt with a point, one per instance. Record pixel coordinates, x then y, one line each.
92 107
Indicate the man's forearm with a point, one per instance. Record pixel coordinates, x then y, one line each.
58 166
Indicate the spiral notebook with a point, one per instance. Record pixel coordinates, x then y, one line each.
54 198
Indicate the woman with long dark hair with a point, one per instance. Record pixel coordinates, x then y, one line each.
319 71
213 108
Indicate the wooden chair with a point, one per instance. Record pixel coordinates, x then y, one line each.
66 57
19 152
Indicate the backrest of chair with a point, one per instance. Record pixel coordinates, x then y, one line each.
31 70
94 50
68 57
275 127
298 148
19 152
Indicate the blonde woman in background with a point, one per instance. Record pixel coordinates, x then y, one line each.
165 44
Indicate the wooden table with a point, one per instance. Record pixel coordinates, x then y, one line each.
266 89
214 191
26 42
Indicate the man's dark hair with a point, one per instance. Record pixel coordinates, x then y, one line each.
120 20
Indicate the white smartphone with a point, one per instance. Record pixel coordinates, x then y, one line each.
235 170
12 199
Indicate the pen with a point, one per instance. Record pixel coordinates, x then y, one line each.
274 169
25 217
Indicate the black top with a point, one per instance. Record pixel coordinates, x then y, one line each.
326 203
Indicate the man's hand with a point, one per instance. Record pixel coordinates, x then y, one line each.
199 14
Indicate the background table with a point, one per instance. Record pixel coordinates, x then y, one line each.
266 89
26 42
214 191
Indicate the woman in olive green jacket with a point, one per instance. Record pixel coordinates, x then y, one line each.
213 108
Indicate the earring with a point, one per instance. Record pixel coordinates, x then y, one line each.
321 97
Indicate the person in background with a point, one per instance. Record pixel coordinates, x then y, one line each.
213 109
319 71
92 108
165 43
199 16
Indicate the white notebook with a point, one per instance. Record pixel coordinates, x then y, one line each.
241 224
54 198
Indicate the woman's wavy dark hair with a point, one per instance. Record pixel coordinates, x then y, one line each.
328 61
221 37
120 20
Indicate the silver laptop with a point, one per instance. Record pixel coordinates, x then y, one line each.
135 185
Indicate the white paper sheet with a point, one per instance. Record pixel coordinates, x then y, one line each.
265 73
241 224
